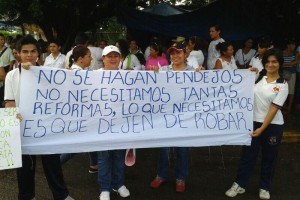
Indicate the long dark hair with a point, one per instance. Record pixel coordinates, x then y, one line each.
78 51
277 53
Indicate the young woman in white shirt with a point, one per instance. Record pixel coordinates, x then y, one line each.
270 93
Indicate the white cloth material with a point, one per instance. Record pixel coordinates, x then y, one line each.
12 86
57 62
192 61
134 64
228 65
199 56
76 67
242 58
96 62
6 57
66 63
264 95
213 53
5 60
82 111
147 52
256 62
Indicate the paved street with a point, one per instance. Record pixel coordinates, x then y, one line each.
212 171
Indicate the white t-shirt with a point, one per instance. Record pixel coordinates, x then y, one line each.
66 63
76 67
192 61
96 62
228 65
6 57
242 58
57 63
256 62
199 56
266 94
213 53
12 86
134 64
147 52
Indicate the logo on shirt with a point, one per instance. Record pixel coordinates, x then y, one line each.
276 89
273 140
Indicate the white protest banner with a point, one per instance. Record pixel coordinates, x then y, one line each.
10 141
80 111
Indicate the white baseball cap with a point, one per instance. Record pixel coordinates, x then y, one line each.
110 48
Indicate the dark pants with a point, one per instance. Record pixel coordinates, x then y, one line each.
1 96
268 142
53 173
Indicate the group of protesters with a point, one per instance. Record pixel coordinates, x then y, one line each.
275 71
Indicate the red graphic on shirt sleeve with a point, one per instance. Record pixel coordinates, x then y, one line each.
276 89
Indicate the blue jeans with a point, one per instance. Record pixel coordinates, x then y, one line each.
182 160
111 169
67 156
268 142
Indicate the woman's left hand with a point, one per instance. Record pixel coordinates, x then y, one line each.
19 116
257 132
253 69
200 68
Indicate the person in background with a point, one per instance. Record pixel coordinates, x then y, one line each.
265 43
155 58
270 93
244 55
134 49
147 50
178 57
102 44
213 53
80 39
55 59
226 60
191 60
29 51
194 45
80 59
111 163
96 55
43 46
6 62
128 61
290 70
298 80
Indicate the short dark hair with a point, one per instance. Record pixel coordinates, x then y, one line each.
222 46
265 42
1 35
217 27
28 39
55 41
81 38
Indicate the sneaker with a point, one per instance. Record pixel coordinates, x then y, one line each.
122 191
264 194
234 190
93 170
157 182
69 198
180 185
104 195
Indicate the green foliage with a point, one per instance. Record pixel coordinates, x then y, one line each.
7 33
111 30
